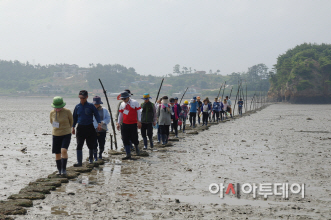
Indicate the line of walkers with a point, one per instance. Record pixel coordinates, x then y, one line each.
92 120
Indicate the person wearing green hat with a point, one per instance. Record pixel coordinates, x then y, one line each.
148 119
62 121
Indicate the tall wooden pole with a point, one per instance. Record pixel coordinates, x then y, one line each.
111 117
230 92
246 97
159 91
239 85
219 91
223 91
183 95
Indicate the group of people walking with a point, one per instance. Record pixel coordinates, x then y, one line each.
91 120
210 111
166 115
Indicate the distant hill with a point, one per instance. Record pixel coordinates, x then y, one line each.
68 79
303 75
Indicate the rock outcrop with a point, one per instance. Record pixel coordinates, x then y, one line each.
303 76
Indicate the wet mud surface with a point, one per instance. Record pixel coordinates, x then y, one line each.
275 145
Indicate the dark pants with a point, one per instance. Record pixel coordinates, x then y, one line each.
240 109
174 126
217 115
193 116
158 133
183 122
221 114
85 132
164 129
129 134
147 128
100 140
198 118
205 118
60 142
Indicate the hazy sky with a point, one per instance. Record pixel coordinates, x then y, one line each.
152 36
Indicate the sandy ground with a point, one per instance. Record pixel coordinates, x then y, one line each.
275 145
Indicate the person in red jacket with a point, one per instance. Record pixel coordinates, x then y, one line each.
130 112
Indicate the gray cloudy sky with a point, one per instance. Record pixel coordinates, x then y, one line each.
152 36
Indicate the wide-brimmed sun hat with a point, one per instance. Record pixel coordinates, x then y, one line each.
58 102
146 96
97 100
125 95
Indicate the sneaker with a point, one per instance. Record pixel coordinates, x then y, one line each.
78 165
126 158
176 136
145 147
183 131
64 172
190 125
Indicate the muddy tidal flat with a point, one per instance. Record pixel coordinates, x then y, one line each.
282 143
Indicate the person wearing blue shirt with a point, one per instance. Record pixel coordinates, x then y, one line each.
216 112
101 135
240 106
220 109
193 111
83 116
